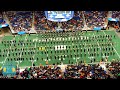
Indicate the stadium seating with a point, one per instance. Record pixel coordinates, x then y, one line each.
116 14
41 22
73 54
20 21
95 18
1 19
75 23
80 71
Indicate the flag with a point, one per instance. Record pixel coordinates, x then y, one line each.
9 70
13 69
4 69
42 48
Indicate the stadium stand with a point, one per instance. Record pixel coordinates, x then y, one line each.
95 18
41 22
75 23
116 14
60 55
81 71
1 19
20 21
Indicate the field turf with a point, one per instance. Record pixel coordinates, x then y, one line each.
57 48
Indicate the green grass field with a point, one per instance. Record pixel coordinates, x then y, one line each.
73 48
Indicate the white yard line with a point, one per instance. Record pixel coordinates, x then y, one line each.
113 47
21 52
8 52
76 61
98 43
87 48
23 46
88 52
34 51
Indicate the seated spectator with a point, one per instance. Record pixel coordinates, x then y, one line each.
114 69
116 14
95 18
41 22
2 21
20 21
80 71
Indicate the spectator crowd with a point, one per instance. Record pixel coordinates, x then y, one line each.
80 71
95 18
75 23
116 14
23 21
41 22
20 20
2 21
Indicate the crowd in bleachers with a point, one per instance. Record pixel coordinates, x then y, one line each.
95 18
42 72
85 72
75 23
80 71
2 21
116 14
41 22
20 21
114 69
